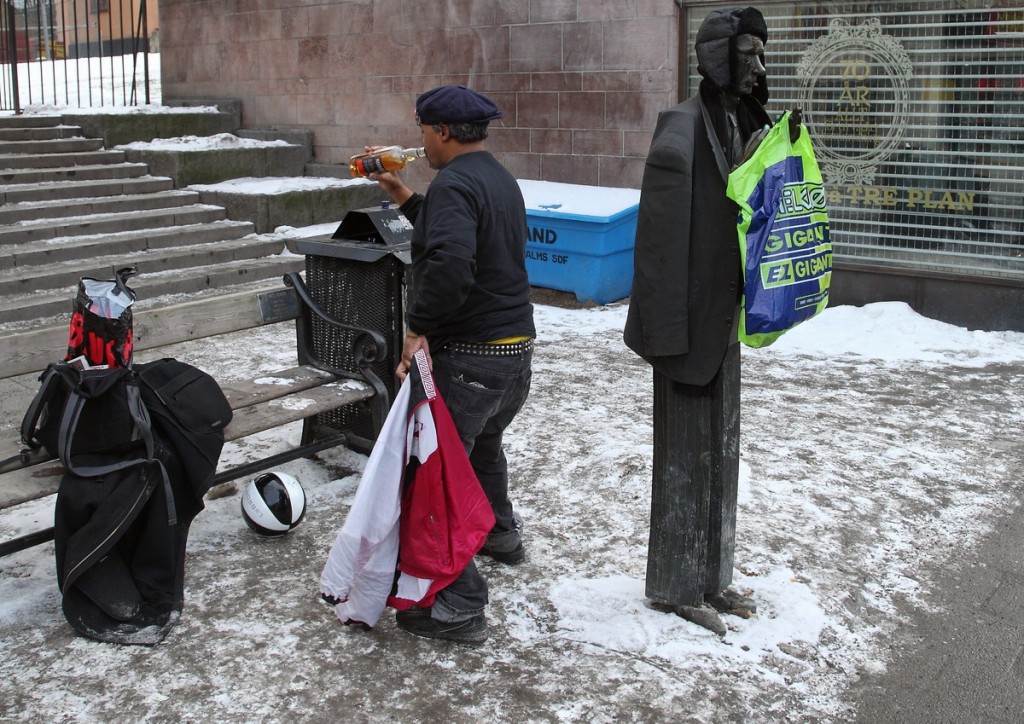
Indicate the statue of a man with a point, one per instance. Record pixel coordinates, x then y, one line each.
684 314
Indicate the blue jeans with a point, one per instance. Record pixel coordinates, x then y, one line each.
483 394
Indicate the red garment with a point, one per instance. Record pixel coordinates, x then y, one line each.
445 516
419 509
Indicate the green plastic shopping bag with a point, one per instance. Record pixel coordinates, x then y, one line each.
783 230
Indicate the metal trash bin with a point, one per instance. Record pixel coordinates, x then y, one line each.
358 275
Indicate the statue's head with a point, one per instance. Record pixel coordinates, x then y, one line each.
730 51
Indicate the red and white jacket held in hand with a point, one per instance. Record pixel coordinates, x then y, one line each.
419 510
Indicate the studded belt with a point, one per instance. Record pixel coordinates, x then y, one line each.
491 350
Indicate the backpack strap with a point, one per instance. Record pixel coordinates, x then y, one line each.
51 380
143 427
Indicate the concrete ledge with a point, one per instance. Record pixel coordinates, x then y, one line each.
305 206
232 106
328 170
299 137
971 302
340 170
212 165
120 128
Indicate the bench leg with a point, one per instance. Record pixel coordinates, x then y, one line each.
26 541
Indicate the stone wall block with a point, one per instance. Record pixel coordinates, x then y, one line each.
423 15
478 50
637 44
557 81
314 109
581 110
269 110
521 165
547 11
636 144
313 57
471 13
610 9
536 48
597 143
583 46
636 111
511 140
571 169
511 12
537 110
550 140
496 83
626 173
267 24
279 59
334 19
295 23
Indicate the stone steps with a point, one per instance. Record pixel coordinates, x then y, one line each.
71 207
93 172
107 223
63 190
28 211
18 261
96 262
30 121
35 133
22 310
56 145
81 158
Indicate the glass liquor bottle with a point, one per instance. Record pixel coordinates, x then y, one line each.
390 158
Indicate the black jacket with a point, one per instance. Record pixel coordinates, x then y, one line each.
687 282
469 278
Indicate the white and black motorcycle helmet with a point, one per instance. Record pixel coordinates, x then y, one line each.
273 503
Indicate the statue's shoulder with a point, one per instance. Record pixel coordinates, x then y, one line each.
678 122
688 108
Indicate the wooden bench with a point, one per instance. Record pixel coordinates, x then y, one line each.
303 393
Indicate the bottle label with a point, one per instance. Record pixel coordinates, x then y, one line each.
371 164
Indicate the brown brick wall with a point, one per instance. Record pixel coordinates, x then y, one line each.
580 81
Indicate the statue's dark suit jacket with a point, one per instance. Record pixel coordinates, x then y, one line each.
687 279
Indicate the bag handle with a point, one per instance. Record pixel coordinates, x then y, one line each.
121 280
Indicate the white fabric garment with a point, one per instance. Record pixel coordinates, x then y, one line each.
360 568
421 443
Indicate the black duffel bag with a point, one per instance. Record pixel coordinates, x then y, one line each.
139 447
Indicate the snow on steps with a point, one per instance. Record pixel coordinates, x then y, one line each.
69 208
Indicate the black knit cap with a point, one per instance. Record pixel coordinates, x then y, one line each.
713 42
455 104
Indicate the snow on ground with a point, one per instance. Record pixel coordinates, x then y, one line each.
94 85
869 459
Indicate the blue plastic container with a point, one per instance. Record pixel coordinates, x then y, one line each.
581 238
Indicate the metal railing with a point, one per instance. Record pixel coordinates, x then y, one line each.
73 53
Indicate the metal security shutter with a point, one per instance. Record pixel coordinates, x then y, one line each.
916 113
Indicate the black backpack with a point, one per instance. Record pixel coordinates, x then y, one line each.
108 425
140 447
